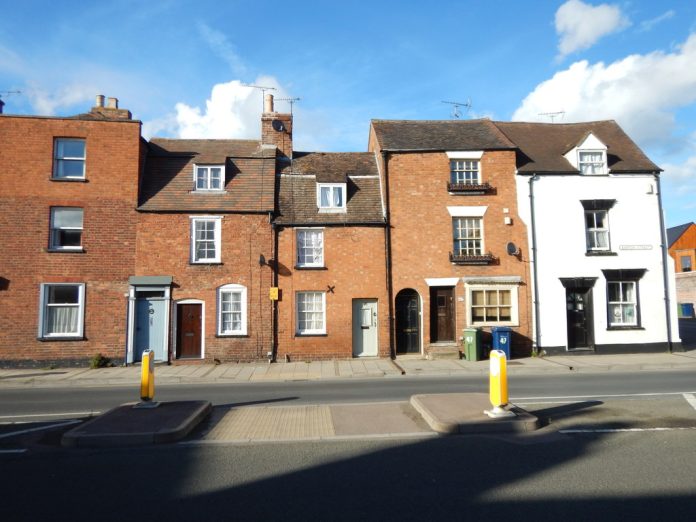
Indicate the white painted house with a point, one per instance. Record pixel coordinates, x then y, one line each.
602 280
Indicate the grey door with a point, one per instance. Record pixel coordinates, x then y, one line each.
150 326
365 328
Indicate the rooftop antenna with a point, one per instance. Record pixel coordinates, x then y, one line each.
289 100
263 89
456 113
553 115
2 103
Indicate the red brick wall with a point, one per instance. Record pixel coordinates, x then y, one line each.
355 268
422 235
164 249
108 197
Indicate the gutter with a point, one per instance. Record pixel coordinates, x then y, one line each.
387 255
665 274
537 322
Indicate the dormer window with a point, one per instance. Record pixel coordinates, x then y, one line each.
331 197
208 177
592 162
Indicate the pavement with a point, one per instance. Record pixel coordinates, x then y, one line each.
422 416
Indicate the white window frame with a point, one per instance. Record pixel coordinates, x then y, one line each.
299 232
481 245
597 167
298 312
208 178
514 304
44 306
466 168
623 304
594 231
59 158
217 230
332 187
241 290
55 230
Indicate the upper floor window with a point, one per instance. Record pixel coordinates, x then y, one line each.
466 172
592 161
205 239
597 229
66 228
468 236
310 247
209 177
69 158
331 197
62 310
232 310
685 263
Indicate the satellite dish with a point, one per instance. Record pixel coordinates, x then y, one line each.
512 249
278 125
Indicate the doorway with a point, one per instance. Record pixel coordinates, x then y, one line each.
150 324
407 322
579 318
441 314
189 323
365 328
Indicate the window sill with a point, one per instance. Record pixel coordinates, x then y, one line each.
600 253
233 335
205 263
484 259
297 334
300 267
610 328
332 210
71 180
65 250
208 192
467 189
62 338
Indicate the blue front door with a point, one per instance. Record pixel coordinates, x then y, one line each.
150 327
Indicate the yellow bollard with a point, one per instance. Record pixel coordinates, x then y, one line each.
498 385
147 376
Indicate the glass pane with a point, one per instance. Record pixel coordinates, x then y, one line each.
201 178
506 313
71 149
62 319
629 314
505 297
629 292
491 297
325 193
614 290
338 196
477 315
615 315
70 168
215 178
67 238
67 217
477 297
491 313
63 294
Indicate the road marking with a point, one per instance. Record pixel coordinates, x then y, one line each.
50 426
623 430
49 415
691 399
13 451
571 397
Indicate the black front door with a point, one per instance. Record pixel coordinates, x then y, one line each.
579 318
407 322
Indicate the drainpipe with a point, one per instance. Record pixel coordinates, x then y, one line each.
387 254
274 318
537 328
665 273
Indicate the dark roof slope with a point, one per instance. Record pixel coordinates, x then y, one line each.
439 135
297 199
675 233
542 146
167 184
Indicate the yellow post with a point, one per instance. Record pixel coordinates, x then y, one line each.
498 385
147 376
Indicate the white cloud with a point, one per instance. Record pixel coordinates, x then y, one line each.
647 25
640 92
49 103
232 111
581 25
681 175
221 46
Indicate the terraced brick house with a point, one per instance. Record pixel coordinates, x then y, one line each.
682 248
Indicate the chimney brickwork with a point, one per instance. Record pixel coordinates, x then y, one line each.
276 129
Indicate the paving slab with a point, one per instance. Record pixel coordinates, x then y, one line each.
382 418
126 425
464 413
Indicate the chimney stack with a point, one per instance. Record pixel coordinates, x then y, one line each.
110 111
276 128
100 100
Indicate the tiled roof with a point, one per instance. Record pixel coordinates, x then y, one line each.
442 135
168 178
542 146
298 193
675 233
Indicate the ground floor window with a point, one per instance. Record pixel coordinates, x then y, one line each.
492 305
62 310
311 313
623 300
232 310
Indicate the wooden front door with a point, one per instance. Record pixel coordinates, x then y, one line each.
407 322
579 318
188 345
441 314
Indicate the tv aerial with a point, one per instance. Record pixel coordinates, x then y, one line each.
456 113
2 103
290 101
553 115
262 88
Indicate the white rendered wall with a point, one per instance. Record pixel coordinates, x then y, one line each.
634 235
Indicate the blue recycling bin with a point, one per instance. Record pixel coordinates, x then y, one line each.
502 339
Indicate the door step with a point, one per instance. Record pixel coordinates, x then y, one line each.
449 351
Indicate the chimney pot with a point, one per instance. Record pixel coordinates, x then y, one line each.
100 100
268 103
112 103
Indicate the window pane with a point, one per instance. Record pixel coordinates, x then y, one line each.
614 290
477 297
491 297
67 217
325 196
70 149
67 238
62 320
201 178
215 178
337 197
63 294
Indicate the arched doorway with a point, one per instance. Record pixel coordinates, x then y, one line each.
407 322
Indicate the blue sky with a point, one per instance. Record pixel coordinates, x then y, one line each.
179 65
